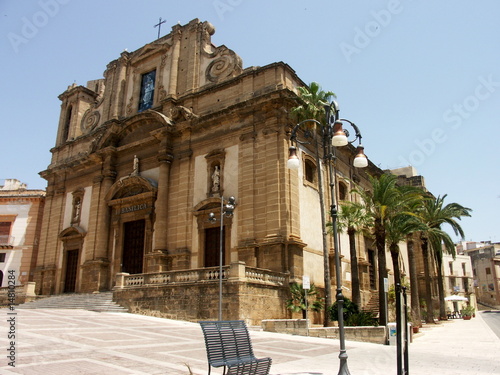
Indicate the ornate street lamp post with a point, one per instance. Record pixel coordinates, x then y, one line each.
332 134
225 210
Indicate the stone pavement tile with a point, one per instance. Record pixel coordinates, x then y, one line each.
72 342
457 347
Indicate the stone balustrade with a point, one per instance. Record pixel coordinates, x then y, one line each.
237 271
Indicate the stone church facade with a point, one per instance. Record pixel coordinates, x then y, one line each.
146 154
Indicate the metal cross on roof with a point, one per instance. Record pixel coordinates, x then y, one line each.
159 26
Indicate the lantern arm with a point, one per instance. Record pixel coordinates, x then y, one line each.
358 135
308 133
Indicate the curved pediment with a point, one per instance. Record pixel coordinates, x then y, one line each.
72 233
131 186
208 204
132 129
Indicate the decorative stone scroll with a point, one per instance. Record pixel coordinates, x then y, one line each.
226 64
180 113
90 120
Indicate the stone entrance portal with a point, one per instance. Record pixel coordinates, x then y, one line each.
71 271
212 247
133 246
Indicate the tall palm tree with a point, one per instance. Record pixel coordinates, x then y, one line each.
380 202
402 221
434 214
352 218
415 298
398 228
312 102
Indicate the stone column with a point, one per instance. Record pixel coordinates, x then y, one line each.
96 266
157 260
102 230
174 63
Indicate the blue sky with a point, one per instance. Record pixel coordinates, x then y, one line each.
420 79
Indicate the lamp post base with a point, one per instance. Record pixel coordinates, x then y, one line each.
344 370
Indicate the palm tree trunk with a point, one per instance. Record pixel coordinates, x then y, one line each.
382 271
394 249
356 292
428 291
415 300
442 308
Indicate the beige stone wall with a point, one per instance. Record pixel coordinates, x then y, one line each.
200 301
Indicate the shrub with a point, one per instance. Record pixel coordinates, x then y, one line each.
362 318
349 309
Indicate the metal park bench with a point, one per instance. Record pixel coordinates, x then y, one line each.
228 344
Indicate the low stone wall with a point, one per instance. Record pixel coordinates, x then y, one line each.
376 335
248 293
289 326
20 294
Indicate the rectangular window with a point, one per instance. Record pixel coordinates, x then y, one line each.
2 257
147 90
488 270
5 232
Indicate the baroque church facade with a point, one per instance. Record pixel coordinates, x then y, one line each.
144 156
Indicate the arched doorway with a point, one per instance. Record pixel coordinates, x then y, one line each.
132 202
209 234
133 246
72 239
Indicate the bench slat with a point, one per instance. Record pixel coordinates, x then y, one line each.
228 344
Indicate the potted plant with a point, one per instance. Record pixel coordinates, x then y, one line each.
467 312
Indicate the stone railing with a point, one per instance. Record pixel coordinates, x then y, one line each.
265 276
171 277
237 271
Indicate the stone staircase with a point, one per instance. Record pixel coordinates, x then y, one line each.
92 301
372 304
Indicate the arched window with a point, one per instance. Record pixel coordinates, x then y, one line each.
309 171
147 90
67 123
342 191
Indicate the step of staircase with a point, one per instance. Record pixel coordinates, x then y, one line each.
372 305
86 301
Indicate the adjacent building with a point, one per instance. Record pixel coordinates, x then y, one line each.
21 212
458 281
485 258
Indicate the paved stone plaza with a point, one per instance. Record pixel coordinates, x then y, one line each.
74 342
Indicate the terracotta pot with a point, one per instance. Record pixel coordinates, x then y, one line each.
416 329
467 317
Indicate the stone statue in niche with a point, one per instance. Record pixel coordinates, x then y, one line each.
76 210
216 180
135 171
